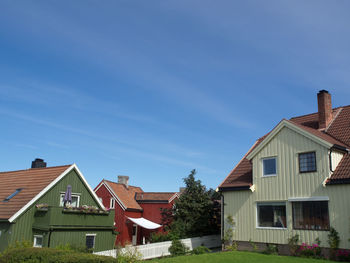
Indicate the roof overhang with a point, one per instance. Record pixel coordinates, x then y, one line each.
234 188
288 124
143 222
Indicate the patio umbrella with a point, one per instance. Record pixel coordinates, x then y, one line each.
68 195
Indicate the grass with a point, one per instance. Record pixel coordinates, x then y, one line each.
237 257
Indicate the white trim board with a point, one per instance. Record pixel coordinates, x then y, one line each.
51 185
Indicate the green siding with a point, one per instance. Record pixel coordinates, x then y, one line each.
289 183
31 222
103 240
4 236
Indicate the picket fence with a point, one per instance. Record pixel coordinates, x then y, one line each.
161 249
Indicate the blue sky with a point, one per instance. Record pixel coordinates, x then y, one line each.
154 89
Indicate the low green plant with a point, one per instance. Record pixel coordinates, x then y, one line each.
271 249
200 250
293 244
178 248
254 246
128 255
333 241
160 237
228 241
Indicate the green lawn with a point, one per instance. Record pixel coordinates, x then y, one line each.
237 257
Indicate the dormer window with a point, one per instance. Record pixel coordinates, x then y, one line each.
307 162
269 166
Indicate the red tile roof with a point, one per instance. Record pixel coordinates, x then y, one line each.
337 133
153 196
32 182
126 194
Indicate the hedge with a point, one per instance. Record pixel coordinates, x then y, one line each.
50 255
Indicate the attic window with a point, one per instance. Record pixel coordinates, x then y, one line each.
12 195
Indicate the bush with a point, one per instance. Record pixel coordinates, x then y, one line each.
333 241
160 237
293 244
343 255
271 249
50 255
313 250
177 248
200 250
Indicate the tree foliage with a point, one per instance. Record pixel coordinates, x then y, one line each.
195 213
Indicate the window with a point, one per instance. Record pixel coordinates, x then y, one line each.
307 162
12 195
271 215
269 167
75 200
38 241
310 215
90 241
112 203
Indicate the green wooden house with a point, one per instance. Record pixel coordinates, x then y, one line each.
33 208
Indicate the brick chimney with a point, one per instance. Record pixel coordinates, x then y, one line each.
122 179
324 109
38 163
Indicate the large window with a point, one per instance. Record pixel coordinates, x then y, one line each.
271 215
311 215
269 166
307 162
75 200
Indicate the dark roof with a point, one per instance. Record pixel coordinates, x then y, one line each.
31 181
337 134
153 196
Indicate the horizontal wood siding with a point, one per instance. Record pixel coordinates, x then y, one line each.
289 183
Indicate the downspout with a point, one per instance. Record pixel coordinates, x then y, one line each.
49 239
222 215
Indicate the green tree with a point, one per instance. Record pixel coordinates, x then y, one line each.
195 212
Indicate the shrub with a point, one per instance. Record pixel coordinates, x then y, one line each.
160 237
271 249
254 246
50 255
333 241
343 255
129 255
313 250
200 250
293 244
177 248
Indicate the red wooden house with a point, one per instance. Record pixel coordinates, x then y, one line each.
137 213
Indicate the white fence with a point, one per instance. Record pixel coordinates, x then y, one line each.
161 249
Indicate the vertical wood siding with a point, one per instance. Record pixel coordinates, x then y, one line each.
289 183
22 229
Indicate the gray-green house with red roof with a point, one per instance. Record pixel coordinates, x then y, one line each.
295 180
33 208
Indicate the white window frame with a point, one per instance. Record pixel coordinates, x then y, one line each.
269 203
94 235
262 166
35 240
73 195
112 203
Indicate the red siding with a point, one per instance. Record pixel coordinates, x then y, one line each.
151 211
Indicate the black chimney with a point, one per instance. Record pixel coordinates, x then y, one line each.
38 163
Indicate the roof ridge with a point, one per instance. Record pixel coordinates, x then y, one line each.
122 184
41 168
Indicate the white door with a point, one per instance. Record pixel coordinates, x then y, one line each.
134 235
